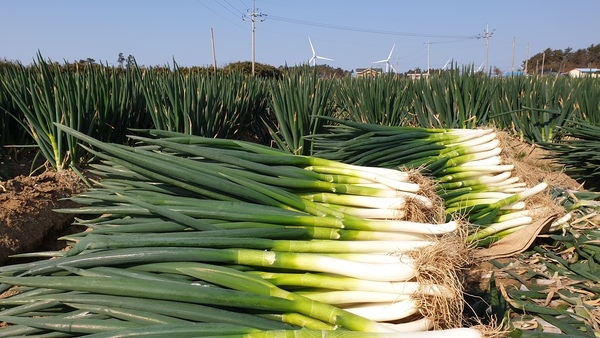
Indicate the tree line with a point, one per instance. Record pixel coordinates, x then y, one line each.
547 61
563 60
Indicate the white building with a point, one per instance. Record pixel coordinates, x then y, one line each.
580 72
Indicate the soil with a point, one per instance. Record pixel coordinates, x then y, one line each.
28 220
29 223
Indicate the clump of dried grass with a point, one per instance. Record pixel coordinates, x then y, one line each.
443 264
414 211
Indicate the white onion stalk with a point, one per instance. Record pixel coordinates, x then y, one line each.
479 195
513 215
509 181
335 166
415 329
490 161
384 272
463 135
417 227
395 179
382 312
375 257
480 201
561 222
368 213
489 137
454 161
372 185
475 146
468 174
483 180
396 199
493 228
511 188
350 297
415 326
364 235
356 247
354 284
357 200
478 168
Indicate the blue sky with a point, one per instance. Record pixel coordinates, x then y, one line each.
354 33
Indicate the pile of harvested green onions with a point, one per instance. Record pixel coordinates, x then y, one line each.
207 237
466 164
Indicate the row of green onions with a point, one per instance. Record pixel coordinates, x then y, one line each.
207 237
471 178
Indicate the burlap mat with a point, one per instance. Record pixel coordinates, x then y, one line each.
516 242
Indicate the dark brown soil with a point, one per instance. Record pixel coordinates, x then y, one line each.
28 221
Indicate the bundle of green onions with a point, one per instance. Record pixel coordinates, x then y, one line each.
471 179
209 237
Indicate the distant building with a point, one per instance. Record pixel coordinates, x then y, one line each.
367 72
417 76
514 73
580 72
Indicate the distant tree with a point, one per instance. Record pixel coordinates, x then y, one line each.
121 59
556 60
130 60
260 70
497 71
88 60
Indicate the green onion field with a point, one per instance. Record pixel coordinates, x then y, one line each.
219 204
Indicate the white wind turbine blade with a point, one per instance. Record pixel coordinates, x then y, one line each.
387 61
324 58
312 48
390 56
446 64
314 57
481 66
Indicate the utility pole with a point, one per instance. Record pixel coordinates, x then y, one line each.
526 57
253 15
214 54
512 65
487 35
428 44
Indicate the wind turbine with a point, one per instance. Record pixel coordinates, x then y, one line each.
314 57
446 64
388 65
481 66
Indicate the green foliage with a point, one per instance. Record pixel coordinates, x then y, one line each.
296 102
384 99
260 70
453 100
11 131
534 107
578 150
277 106
558 60
222 105
92 99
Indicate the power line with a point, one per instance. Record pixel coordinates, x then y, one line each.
369 30
229 10
217 14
